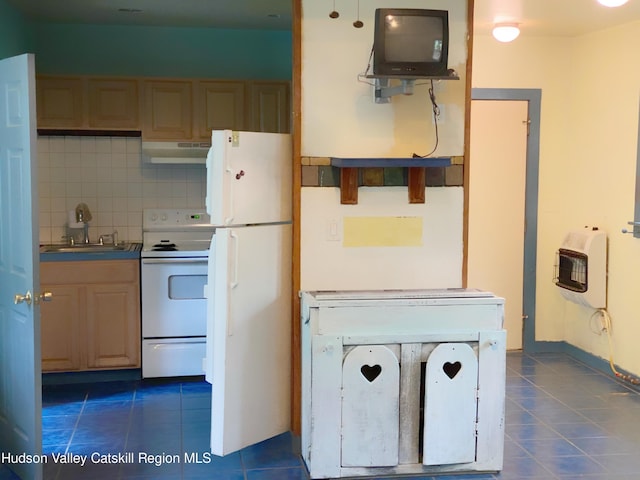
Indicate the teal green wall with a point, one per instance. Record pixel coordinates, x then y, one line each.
162 51
15 32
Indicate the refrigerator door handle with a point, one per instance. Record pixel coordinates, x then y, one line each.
209 166
236 247
234 282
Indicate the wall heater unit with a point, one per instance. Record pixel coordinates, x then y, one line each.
581 267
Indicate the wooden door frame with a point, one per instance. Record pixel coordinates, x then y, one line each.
296 130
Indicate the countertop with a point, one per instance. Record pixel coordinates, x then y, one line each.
132 252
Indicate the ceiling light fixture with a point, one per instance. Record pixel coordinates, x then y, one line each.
612 3
506 32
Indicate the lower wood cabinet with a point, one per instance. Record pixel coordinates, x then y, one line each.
93 320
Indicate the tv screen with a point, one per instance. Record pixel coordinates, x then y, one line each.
411 42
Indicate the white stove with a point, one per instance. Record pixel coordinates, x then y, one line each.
175 233
175 255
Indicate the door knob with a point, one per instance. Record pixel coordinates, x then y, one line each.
36 299
43 297
26 298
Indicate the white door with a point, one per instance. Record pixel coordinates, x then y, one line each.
20 371
249 335
249 178
497 176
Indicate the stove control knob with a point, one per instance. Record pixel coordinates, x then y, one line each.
154 217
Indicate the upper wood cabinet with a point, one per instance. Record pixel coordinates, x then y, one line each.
270 110
220 105
162 108
190 109
113 103
168 110
87 103
60 102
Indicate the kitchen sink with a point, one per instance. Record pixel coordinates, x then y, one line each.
87 248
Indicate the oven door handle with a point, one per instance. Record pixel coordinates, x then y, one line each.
184 261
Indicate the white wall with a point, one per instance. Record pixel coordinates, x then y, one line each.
434 263
340 119
108 175
588 145
339 116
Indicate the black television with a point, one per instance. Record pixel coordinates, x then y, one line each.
411 42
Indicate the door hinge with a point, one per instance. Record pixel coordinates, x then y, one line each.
528 123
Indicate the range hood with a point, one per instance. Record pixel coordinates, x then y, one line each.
175 152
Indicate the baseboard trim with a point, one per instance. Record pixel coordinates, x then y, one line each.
63 378
597 363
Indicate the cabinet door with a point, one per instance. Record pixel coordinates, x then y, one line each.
220 106
270 107
113 326
62 328
113 103
168 111
59 102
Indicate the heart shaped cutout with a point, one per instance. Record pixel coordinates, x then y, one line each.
451 369
370 372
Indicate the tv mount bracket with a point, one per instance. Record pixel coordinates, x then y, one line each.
383 91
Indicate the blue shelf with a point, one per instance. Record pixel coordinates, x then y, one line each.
390 162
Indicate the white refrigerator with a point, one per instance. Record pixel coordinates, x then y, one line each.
248 359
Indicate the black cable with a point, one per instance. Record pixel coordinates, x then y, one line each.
366 72
436 114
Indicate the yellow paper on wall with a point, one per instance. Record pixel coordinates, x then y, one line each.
382 232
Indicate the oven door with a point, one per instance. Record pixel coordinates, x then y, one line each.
173 302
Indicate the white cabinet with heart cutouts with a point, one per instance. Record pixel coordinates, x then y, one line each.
402 382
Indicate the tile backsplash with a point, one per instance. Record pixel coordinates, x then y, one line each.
107 173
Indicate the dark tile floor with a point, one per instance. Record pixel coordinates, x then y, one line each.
564 421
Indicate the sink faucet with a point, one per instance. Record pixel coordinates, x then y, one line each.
110 238
85 235
83 215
